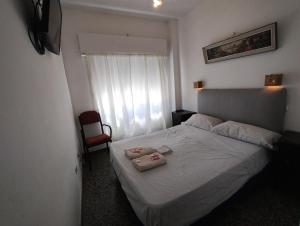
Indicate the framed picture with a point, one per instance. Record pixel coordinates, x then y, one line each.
260 40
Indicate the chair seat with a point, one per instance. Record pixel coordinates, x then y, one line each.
96 140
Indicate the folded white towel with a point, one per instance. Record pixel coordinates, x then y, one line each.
133 153
164 149
151 161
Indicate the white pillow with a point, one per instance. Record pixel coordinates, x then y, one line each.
202 121
248 133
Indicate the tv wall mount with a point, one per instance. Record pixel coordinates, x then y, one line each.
34 33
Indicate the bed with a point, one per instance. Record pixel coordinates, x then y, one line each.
205 169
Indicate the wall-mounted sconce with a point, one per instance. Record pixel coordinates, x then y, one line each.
273 80
157 3
198 85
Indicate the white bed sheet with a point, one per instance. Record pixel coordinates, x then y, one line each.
203 171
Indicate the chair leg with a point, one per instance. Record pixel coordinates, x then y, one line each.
107 147
87 158
89 161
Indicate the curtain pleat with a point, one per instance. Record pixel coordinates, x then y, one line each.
132 92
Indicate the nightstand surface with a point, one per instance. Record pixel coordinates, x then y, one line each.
291 138
179 116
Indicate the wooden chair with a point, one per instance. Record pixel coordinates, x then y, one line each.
91 117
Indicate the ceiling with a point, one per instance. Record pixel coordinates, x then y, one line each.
170 8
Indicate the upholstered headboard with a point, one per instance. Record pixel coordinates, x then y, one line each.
261 107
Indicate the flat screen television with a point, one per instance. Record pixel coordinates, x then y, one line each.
50 24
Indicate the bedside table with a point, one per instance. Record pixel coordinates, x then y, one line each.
287 158
181 116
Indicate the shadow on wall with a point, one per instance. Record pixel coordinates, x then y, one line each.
25 10
286 26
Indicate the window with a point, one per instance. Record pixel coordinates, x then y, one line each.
132 92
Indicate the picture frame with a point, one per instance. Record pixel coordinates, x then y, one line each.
260 40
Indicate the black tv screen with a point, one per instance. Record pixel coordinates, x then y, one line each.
51 20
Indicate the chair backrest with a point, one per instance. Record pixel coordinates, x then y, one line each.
89 117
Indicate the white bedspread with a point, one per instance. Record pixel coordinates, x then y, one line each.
203 171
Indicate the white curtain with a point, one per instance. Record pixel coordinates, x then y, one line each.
132 92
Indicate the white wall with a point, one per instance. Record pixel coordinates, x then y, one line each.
38 142
214 21
78 21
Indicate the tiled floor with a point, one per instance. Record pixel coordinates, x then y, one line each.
259 203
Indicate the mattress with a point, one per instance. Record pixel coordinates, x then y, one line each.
203 171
